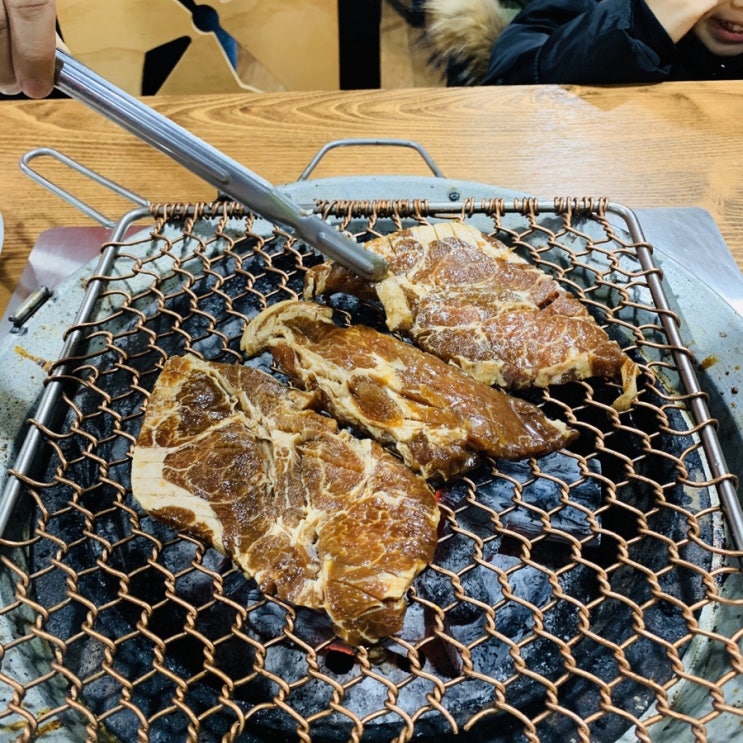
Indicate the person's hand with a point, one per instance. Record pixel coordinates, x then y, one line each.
27 44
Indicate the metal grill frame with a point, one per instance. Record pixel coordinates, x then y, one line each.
722 582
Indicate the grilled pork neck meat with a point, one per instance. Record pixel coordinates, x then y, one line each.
316 516
437 417
470 300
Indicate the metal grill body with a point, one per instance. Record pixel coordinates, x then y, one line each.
588 595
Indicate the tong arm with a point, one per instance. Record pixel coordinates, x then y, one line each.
213 166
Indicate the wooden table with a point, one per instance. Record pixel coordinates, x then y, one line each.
674 144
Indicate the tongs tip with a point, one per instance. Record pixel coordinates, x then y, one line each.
354 256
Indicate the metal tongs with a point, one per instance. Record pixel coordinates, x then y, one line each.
227 175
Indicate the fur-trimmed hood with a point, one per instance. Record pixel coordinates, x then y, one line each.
460 35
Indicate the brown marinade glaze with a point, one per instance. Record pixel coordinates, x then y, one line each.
437 418
471 301
316 516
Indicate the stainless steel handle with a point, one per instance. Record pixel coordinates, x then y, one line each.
361 142
70 198
227 175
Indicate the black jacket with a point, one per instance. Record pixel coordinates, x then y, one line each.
597 42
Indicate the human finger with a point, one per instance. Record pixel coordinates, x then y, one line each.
32 27
8 83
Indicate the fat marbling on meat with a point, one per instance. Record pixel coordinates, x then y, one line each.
437 418
318 517
469 299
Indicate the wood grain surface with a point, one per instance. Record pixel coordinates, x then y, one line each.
673 144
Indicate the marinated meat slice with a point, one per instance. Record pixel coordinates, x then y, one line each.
318 517
437 417
470 300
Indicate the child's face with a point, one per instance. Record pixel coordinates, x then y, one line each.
721 30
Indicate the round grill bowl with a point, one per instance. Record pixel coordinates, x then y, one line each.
587 595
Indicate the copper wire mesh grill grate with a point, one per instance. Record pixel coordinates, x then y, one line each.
567 597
